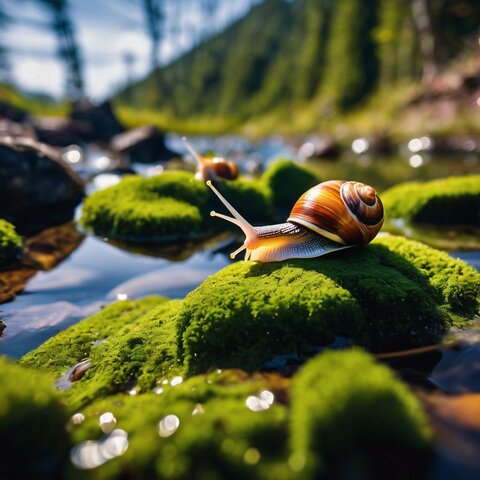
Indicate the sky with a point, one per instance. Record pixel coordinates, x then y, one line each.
106 30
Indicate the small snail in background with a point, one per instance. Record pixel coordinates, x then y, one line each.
331 216
212 168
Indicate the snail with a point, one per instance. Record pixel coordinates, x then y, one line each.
213 168
331 216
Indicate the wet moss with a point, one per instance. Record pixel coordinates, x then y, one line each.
167 207
10 242
32 424
226 440
448 201
287 181
137 347
351 417
390 294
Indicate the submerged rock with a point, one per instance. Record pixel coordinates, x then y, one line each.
32 424
352 417
38 188
449 201
10 242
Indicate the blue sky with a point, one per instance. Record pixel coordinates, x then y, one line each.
106 31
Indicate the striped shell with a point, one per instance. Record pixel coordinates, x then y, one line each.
350 213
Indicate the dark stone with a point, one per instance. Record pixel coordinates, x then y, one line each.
38 188
62 132
8 111
143 145
101 120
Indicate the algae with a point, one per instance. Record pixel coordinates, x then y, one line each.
351 417
448 201
10 242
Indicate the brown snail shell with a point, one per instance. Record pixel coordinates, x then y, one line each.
350 213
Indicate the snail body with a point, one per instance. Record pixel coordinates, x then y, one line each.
212 168
331 216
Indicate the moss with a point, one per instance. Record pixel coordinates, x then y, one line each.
287 181
210 445
135 350
10 242
449 201
167 207
352 417
32 424
388 294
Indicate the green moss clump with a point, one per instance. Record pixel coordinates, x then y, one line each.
287 181
137 348
225 440
32 424
10 242
168 207
449 201
383 295
352 417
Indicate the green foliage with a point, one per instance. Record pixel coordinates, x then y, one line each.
10 242
448 201
287 181
32 424
249 313
351 416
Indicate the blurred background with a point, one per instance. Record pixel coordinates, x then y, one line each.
256 67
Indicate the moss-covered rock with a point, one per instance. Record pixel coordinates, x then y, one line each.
127 343
287 181
391 293
448 201
32 424
166 207
10 242
224 439
352 417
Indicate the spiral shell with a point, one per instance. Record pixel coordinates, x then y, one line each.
350 213
222 168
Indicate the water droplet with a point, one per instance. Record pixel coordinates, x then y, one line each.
251 456
78 418
256 404
132 392
107 422
415 145
122 297
176 381
165 382
198 409
360 145
168 425
72 154
102 163
267 396
415 161
158 390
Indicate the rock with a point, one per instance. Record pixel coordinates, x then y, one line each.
10 242
101 120
318 148
142 145
32 424
351 416
287 181
39 189
62 132
388 295
165 208
449 201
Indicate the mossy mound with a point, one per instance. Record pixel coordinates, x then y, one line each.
352 418
166 207
32 424
449 201
224 439
287 181
10 242
128 344
389 294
